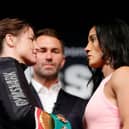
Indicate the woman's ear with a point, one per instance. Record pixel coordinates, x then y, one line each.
10 40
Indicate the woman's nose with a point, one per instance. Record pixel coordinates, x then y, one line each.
87 48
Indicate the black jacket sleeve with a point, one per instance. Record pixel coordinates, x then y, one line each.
15 96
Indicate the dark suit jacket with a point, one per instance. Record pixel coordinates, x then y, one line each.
70 106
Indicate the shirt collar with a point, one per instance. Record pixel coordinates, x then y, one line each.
38 87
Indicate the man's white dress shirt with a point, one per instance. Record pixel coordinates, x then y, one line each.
47 96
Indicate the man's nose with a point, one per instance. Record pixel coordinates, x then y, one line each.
48 55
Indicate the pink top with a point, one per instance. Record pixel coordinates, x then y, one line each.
100 113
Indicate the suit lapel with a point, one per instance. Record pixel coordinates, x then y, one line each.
37 99
61 105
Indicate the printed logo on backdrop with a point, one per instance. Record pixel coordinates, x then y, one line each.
75 74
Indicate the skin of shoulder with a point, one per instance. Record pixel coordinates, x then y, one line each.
120 76
120 86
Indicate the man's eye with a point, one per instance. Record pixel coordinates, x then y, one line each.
56 51
40 50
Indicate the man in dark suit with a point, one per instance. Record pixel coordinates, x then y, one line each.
47 87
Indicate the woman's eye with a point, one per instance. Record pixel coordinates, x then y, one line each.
93 38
